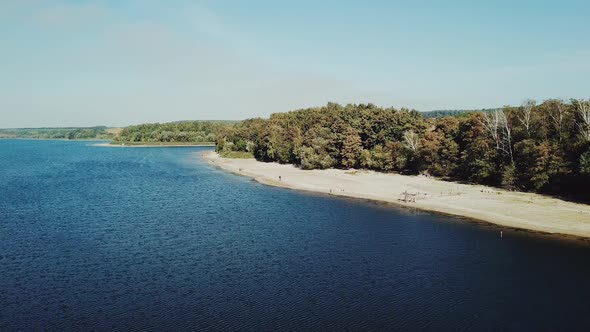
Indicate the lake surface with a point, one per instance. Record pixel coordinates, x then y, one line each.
156 239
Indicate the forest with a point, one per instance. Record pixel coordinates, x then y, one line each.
541 147
173 132
100 132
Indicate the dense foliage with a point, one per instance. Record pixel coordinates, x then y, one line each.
183 132
57 133
544 148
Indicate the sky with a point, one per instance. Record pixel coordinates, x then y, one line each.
116 63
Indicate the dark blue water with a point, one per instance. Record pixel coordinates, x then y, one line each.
156 239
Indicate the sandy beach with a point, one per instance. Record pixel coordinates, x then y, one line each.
512 209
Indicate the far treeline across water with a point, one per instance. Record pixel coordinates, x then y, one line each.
535 147
99 132
187 132
180 132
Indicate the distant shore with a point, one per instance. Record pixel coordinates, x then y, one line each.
109 144
56 139
511 209
173 145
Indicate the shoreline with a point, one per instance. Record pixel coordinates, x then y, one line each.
516 210
101 142
57 139
109 145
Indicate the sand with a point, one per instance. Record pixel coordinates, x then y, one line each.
512 209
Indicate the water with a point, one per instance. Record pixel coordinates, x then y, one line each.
156 239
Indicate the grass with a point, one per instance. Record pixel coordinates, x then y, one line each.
236 154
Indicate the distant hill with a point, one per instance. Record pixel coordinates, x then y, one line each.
443 113
212 121
98 132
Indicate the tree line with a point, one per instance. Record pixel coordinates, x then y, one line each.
182 131
99 132
443 113
533 147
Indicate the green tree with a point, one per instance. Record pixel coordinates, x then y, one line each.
509 177
351 150
478 157
585 163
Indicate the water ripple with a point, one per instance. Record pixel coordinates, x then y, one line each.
154 239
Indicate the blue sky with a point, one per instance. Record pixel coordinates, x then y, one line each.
83 63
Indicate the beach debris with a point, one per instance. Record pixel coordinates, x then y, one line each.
408 197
